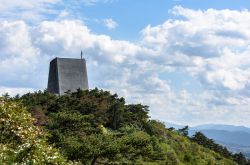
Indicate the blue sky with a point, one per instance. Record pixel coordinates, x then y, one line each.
133 16
189 60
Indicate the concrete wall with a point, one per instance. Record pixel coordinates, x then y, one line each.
53 83
67 74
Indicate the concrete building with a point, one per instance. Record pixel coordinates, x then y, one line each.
67 74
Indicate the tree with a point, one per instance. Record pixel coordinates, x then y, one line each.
97 127
201 139
136 114
21 141
85 125
155 128
184 131
240 158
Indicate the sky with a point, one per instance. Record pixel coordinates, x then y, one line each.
188 60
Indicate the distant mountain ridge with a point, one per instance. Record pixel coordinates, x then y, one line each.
231 128
235 138
227 137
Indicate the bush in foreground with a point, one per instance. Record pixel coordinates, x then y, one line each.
20 141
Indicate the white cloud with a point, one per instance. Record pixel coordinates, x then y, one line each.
219 37
110 23
214 48
29 10
14 91
63 14
21 5
67 37
19 58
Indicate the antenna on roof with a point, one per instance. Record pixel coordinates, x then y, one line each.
81 54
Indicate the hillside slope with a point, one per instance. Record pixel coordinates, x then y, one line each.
235 138
231 128
96 127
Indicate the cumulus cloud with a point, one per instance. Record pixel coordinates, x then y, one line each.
219 37
213 46
19 58
110 23
29 10
67 37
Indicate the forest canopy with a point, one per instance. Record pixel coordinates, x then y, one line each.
97 127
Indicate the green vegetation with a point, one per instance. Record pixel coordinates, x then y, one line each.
201 139
96 127
20 140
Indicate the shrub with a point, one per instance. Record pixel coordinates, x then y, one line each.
20 140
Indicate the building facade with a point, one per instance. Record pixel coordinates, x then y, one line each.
67 74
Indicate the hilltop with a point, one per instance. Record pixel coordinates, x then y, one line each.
97 127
